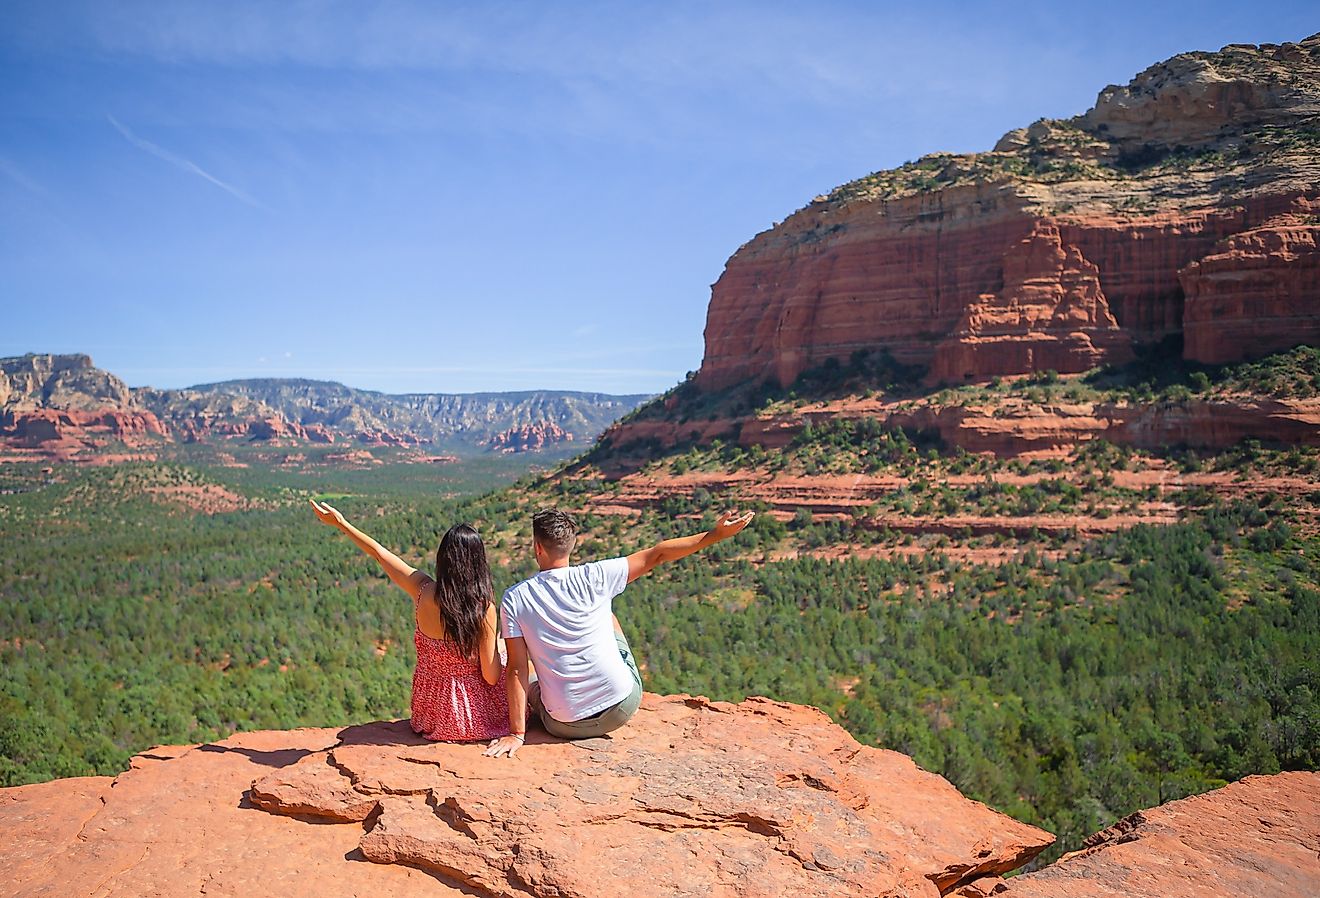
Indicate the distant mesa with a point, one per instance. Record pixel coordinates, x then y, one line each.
61 406
1184 205
1179 217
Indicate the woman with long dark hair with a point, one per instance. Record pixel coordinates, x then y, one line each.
458 689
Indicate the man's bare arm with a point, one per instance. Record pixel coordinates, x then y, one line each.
644 561
517 674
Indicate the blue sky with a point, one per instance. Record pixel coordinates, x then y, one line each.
455 197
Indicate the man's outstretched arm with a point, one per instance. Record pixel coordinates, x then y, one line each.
643 562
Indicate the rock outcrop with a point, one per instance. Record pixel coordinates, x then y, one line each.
73 428
1011 427
179 823
66 382
1156 212
692 798
1050 314
529 437
1257 837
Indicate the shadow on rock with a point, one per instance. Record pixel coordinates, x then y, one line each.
279 758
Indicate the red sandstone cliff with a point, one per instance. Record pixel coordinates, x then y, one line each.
1258 290
1157 212
1050 314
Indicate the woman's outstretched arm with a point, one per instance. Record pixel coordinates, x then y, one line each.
404 575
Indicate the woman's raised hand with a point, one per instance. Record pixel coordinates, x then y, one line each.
327 513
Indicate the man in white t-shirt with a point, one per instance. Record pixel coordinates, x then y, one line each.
562 620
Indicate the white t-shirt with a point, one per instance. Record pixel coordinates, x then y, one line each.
565 616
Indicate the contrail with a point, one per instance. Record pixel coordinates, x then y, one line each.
180 162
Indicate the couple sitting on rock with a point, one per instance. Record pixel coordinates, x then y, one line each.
559 623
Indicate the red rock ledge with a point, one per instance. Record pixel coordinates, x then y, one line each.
1256 838
693 798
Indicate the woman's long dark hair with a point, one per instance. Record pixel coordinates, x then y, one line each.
463 588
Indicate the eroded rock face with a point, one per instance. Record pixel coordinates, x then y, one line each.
1015 426
692 797
1194 98
1258 293
1257 838
39 428
1050 314
67 382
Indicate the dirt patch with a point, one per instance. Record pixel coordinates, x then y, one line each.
205 498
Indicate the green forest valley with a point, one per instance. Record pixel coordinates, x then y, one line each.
1066 636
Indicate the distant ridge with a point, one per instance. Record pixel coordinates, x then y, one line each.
50 401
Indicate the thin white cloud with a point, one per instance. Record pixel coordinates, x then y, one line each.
180 162
15 174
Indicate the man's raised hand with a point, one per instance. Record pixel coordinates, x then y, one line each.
731 525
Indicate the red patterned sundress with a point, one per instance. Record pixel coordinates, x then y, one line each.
450 700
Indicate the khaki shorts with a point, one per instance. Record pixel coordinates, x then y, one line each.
606 721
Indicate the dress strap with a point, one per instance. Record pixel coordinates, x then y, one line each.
418 598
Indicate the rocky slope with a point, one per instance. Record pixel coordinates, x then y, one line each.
1184 204
692 798
62 404
1255 837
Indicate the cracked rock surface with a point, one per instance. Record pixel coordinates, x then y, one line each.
691 798
179 823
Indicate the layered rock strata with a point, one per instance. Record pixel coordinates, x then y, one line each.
1050 314
529 437
62 405
1258 292
1010 428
